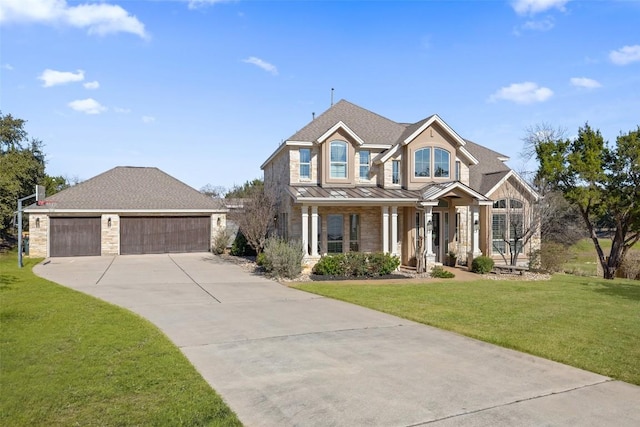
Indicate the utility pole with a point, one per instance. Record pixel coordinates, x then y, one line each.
39 195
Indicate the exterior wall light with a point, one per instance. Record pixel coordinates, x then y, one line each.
109 222
476 225
37 222
429 226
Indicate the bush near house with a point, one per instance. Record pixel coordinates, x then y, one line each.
220 241
357 264
281 258
482 265
440 273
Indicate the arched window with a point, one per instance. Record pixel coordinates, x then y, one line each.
422 163
338 159
440 163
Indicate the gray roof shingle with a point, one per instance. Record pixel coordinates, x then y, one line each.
371 127
489 170
131 188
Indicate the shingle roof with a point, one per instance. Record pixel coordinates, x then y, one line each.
354 194
489 170
371 127
131 188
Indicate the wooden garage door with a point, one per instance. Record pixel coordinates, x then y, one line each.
74 237
157 235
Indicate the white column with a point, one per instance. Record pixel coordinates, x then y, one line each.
394 230
314 231
475 224
305 229
385 229
428 235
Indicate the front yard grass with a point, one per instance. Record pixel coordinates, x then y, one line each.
589 323
71 359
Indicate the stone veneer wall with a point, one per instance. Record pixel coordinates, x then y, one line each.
38 235
110 234
218 223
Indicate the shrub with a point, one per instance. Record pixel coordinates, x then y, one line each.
260 259
282 258
357 264
631 265
329 265
482 265
240 247
220 241
439 272
553 256
381 263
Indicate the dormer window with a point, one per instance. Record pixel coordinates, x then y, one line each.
423 163
440 163
338 159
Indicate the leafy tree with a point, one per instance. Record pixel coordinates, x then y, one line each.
21 167
598 180
245 190
55 184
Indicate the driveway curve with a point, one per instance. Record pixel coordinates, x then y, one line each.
283 357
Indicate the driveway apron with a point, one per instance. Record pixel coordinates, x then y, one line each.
283 357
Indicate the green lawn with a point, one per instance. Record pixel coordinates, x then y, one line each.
70 359
585 322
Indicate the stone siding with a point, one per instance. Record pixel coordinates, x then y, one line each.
110 234
38 235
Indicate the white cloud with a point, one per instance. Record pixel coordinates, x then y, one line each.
97 18
194 4
92 85
541 25
585 82
522 93
120 110
54 78
148 119
270 68
531 7
7 67
625 55
87 106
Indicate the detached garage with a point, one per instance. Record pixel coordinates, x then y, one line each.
126 210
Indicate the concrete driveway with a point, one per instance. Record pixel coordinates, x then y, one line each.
282 357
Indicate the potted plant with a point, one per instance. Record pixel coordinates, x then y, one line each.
451 258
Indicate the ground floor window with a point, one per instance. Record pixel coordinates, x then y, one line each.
354 232
507 228
498 233
335 234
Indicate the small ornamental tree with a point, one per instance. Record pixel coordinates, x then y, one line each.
600 180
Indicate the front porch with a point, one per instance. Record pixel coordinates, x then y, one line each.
420 227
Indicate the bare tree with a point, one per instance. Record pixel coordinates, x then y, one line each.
214 191
256 219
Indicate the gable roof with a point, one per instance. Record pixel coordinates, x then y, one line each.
369 126
489 170
131 189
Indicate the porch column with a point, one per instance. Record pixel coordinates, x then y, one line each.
314 231
385 229
305 230
475 228
428 232
394 230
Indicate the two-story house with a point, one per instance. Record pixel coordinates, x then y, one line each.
352 180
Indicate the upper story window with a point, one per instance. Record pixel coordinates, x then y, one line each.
305 163
365 159
338 159
422 162
440 163
395 171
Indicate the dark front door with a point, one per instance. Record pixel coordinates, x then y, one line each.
157 235
74 236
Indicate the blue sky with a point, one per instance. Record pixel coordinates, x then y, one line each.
206 90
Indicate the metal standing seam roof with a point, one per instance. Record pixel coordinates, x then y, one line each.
131 188
351 194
